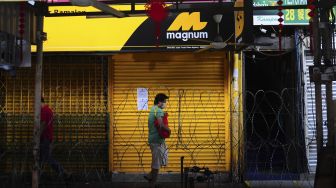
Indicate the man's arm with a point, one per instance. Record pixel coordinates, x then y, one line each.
42 126
46 117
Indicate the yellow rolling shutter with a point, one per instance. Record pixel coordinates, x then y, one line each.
74 88
198 109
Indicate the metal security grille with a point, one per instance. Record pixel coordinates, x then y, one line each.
75 88
198 109
310 114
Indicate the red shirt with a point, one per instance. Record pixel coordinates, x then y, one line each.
47 117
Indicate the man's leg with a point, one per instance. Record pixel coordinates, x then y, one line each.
47 157
148 176
154 174
55 165
155 150
44 153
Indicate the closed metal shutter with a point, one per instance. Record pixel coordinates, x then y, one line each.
198 107
310 114
75 88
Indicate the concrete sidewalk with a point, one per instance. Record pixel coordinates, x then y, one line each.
165 181
280 184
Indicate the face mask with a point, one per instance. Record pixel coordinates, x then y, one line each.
164 105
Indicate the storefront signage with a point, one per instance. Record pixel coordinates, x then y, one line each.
78 33
291 16
187 26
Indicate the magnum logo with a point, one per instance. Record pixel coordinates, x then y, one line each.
185 25
187 21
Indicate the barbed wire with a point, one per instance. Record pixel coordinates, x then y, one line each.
270 144
200 122
184 136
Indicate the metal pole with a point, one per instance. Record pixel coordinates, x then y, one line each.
182 158
318 111
37 110
334 101
318 96
327 51
325 161
330 115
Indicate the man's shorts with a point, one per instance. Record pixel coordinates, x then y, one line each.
159 155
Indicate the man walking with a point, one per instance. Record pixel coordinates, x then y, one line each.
46 140
156 142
